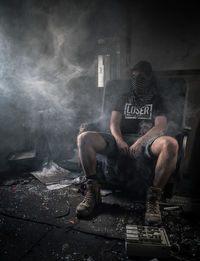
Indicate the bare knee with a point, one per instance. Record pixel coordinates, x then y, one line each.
83 139
170 146
91 140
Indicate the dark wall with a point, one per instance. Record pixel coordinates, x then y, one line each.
166 33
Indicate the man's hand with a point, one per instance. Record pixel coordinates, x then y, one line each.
122 147
135 149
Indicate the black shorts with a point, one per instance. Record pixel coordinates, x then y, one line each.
123 172
111 149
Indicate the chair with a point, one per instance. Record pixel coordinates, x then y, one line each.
189 165
172 90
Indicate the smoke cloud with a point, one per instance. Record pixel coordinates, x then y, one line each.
43 55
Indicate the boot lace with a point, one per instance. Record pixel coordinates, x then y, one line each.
89 197
153 206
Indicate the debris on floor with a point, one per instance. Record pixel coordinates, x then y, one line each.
105 192
56 177
51 174
26 208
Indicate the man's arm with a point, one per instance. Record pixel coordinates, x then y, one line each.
158 129
116 132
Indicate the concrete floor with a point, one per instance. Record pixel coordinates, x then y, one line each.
39 224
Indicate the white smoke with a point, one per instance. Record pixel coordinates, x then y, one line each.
39 57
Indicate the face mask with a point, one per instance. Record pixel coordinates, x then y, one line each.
142 89
139 84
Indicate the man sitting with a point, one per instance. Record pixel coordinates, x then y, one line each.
137 126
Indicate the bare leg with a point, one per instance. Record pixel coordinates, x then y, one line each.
166 149
88 144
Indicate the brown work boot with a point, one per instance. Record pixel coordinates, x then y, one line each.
91 199
153 215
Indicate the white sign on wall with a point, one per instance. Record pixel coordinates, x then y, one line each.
100 71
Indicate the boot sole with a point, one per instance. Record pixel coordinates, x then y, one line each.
153 223
86 215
